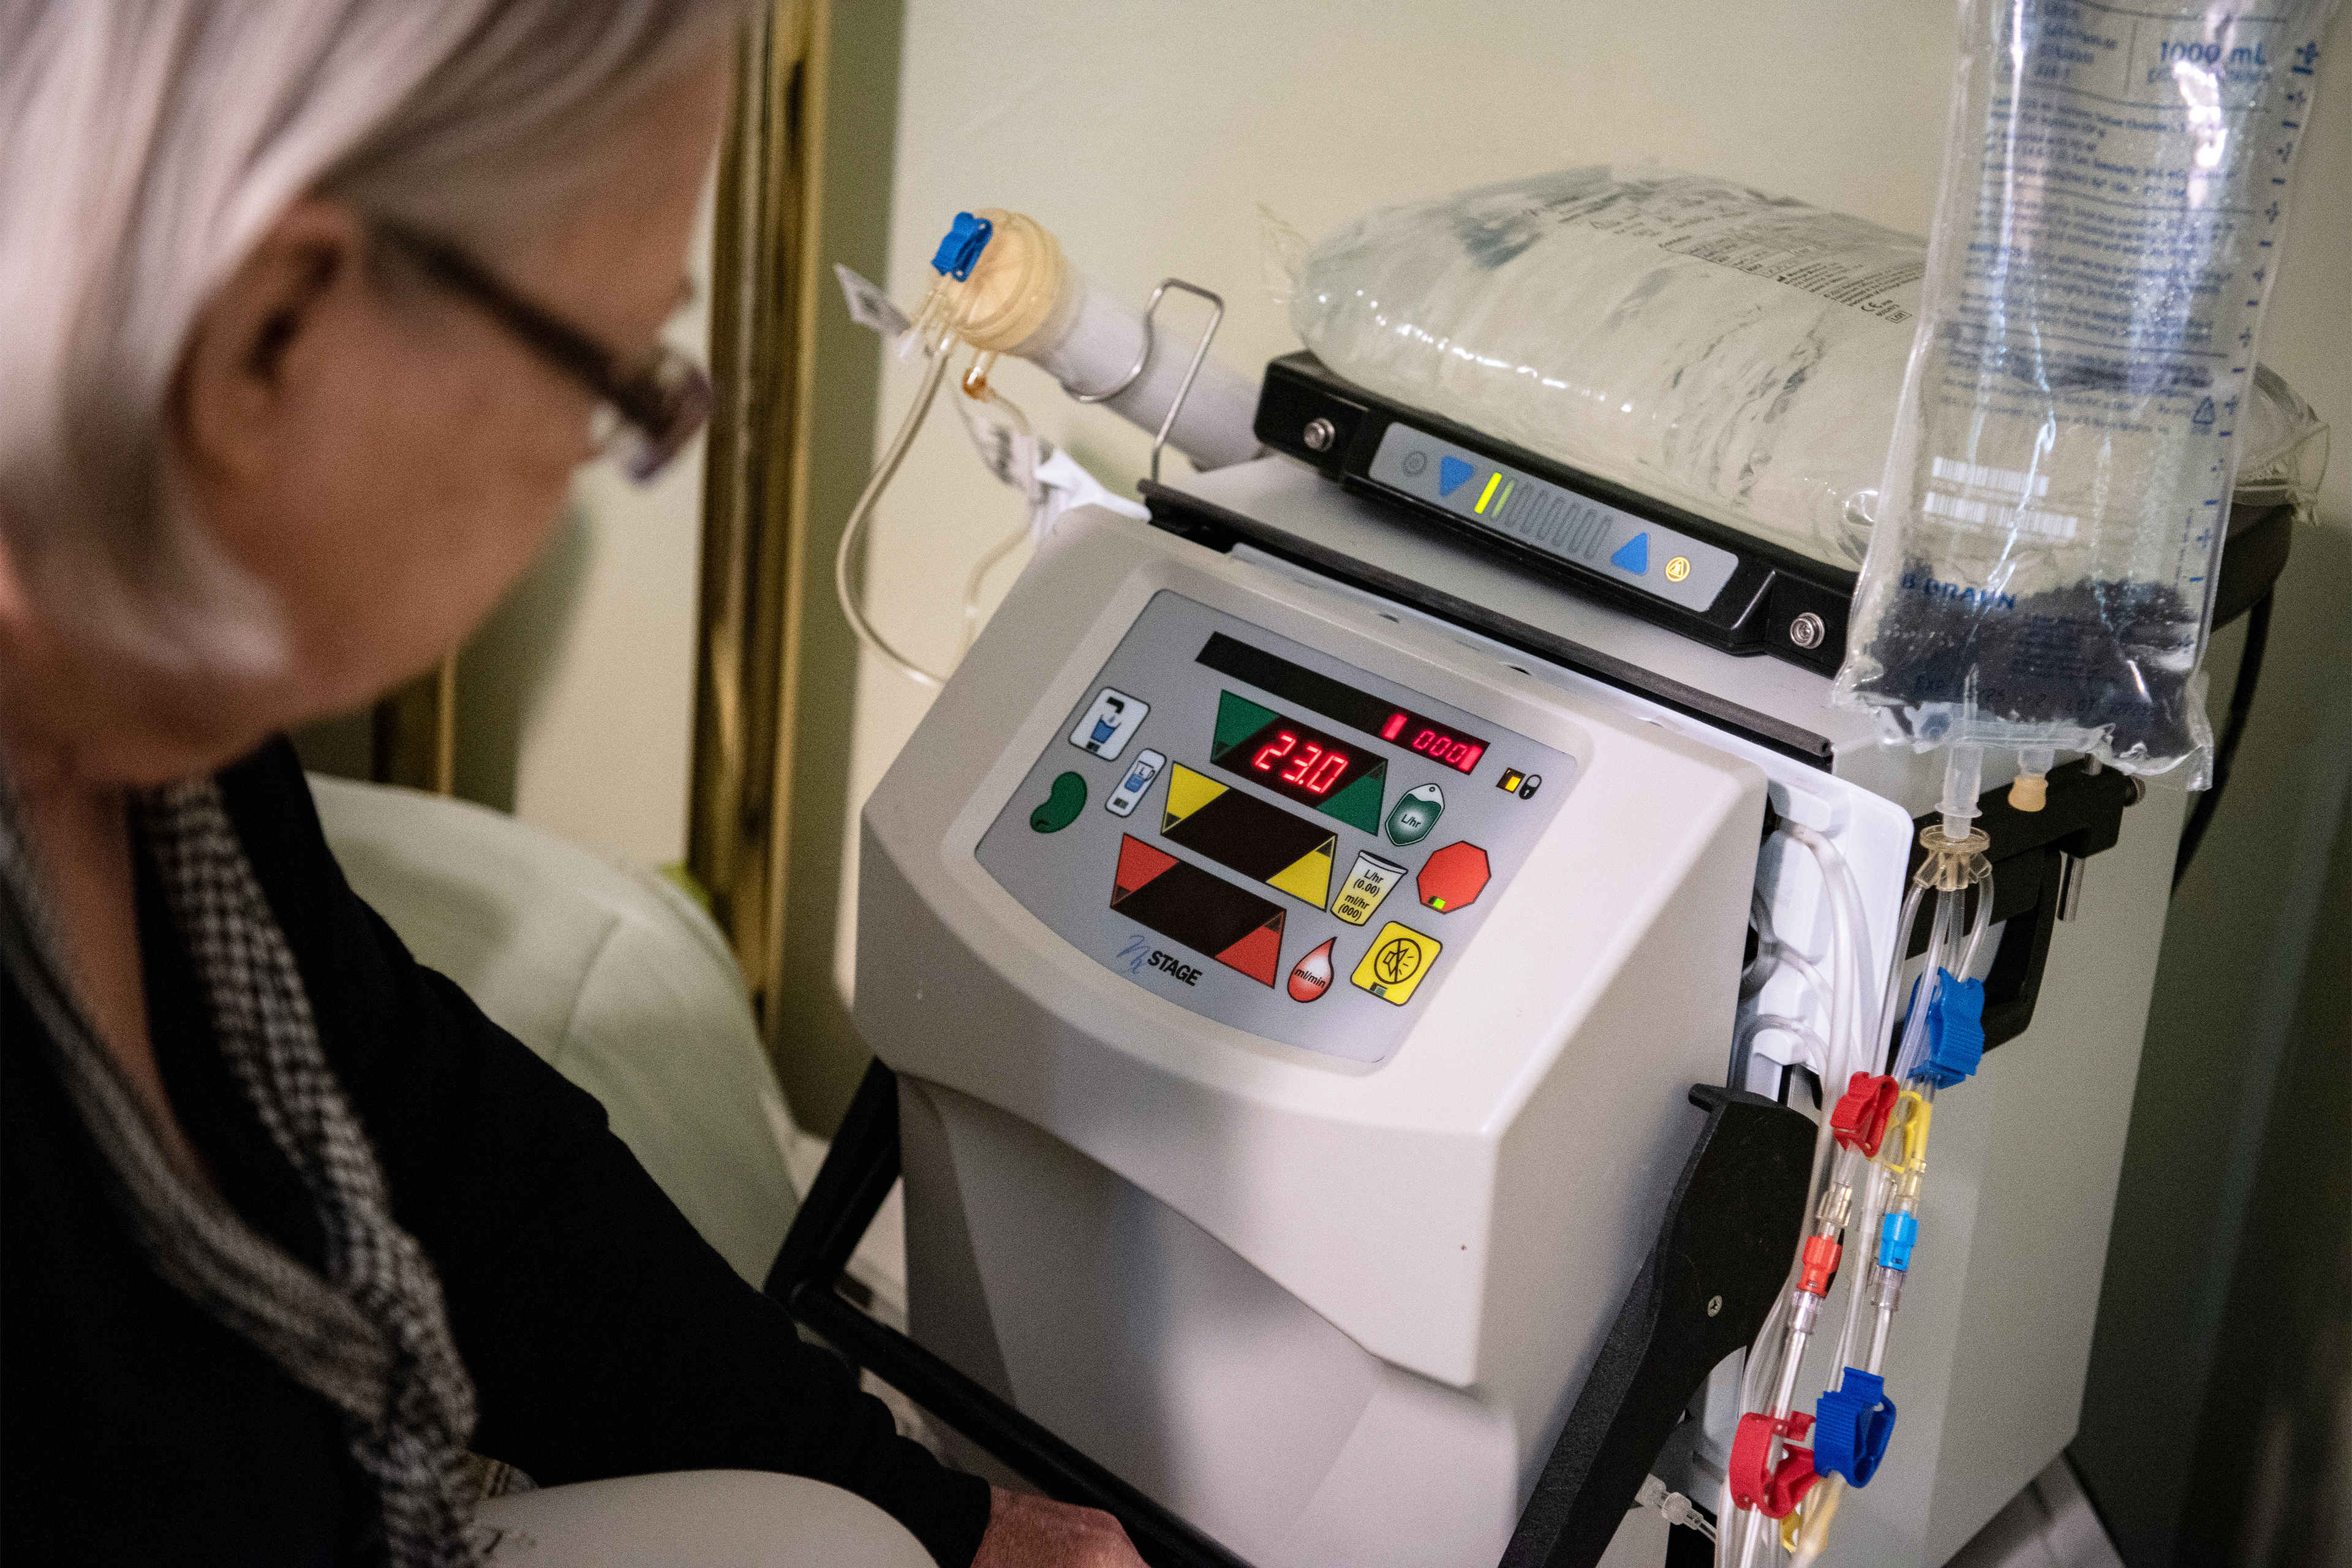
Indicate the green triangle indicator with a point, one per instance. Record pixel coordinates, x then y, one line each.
1359 806
1238 719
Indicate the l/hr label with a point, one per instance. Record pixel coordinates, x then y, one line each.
1368 883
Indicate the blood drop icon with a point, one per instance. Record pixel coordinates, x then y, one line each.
1311 975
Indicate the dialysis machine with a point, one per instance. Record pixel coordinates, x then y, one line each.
1303 948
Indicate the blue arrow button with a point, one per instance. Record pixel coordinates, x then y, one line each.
1634 556
1452 473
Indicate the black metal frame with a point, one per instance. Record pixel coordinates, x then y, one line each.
2225 753
2083 817
1720 1256
1704 1290
805 1278
1752 614
1756 609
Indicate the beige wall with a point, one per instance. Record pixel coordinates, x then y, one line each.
577 700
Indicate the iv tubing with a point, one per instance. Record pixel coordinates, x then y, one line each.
976 387
1874 1210
1857 1031
1950 950
1851 1025
1903 929
854 529
1777 1358
1979 923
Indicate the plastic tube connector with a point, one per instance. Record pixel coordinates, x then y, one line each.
1897 1235
1853 1424
1002 284
1859 1118
1821 1253
1955 1031
2031 789
1963 779
961 246
1952 863
1886 1286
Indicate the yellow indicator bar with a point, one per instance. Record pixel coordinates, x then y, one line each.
1488 494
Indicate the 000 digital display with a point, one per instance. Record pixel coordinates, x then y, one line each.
1318 693
1460 753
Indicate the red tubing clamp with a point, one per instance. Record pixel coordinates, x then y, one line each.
1860 1118
1773 1492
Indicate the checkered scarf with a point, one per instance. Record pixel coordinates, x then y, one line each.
371 1334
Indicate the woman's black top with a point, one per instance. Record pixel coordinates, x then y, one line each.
604 1337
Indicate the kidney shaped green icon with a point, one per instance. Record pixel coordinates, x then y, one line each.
1060 808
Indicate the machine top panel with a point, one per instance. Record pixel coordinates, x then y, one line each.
1634 550
1268 835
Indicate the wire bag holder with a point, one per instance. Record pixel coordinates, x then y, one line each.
1143 360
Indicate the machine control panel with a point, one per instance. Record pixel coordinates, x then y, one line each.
1291 846
1636 551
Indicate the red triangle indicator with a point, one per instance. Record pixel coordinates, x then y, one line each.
1258 954
1138 863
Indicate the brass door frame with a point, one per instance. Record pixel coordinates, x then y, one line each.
804 180
744 689
414 733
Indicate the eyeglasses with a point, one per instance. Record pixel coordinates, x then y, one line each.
646 412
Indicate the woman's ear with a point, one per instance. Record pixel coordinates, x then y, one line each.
257 344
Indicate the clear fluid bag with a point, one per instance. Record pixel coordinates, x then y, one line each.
2083 379
1737 353
1734 352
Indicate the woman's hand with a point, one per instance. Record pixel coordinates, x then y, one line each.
1026 1531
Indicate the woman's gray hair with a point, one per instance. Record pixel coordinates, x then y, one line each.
148 146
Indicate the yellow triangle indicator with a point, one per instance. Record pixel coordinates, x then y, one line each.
1309 876
1188 792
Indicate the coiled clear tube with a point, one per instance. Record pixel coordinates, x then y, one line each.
853 534
1020 296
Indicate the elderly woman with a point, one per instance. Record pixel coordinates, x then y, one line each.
308 310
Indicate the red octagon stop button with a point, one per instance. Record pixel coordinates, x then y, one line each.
1453 877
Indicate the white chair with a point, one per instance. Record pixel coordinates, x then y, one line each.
622 983
694 1519
616 978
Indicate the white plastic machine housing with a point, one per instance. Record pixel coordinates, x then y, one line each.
1333 1312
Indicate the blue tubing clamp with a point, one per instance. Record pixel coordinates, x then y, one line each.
1955 1031
1852 1425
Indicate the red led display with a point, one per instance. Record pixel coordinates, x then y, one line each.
1311 767
1361 711
1294 759
1460 753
